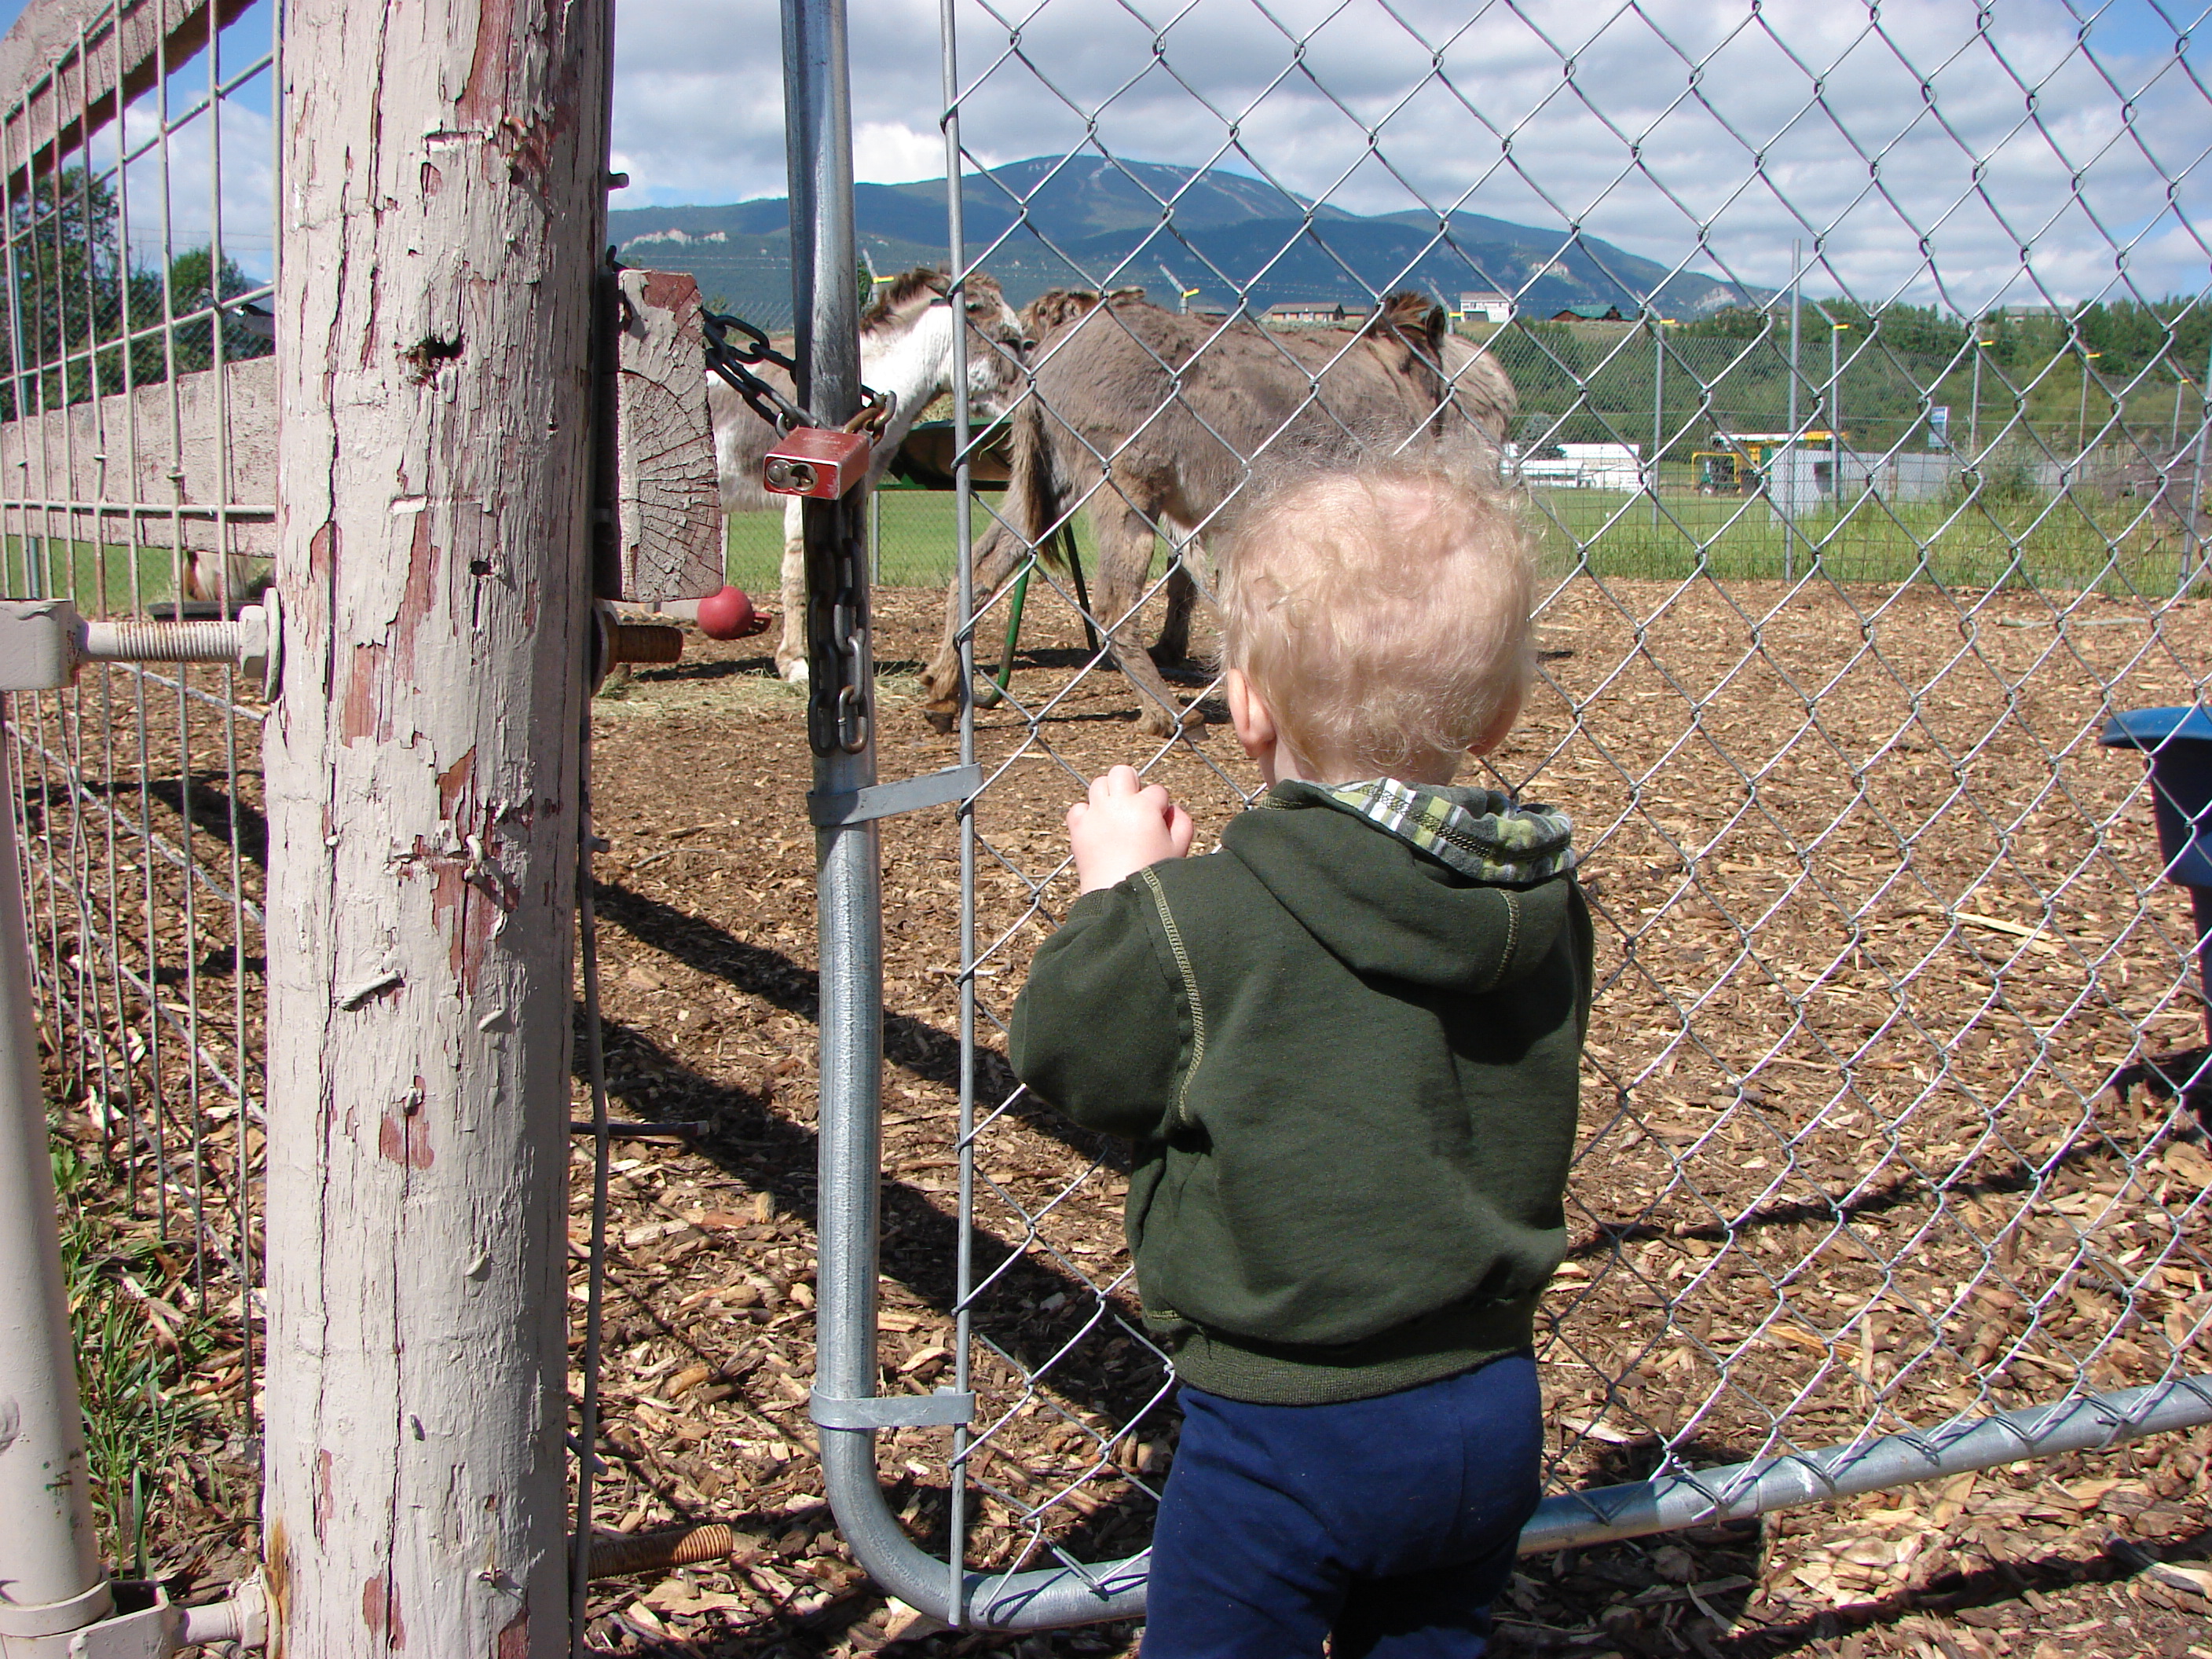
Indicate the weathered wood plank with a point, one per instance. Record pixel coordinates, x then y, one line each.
669 506
443 202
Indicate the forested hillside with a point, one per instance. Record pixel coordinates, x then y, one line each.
1592 382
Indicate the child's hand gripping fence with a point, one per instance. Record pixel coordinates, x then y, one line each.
1884 1173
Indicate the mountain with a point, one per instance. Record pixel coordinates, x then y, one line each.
1090 222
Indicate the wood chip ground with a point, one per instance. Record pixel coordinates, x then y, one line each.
1878 925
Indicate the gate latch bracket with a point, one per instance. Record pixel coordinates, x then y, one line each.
883 800
946 1408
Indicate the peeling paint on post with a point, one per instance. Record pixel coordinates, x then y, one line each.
443 203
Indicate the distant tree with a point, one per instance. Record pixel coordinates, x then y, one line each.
76 295
67 298
197 292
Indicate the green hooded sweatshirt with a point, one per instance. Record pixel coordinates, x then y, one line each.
1347 1045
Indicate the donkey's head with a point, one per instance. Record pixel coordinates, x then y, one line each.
996 342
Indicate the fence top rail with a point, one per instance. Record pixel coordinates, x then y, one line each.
59 68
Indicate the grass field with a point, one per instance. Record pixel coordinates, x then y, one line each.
2069 543
85 571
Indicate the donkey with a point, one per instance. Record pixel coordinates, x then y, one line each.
906 348
1152 419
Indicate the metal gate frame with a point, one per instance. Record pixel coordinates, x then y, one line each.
846 1406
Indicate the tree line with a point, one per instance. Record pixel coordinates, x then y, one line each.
86 318
2130 370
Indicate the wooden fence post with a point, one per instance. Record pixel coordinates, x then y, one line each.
443 203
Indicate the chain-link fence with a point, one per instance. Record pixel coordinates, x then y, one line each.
136 481
1888 1167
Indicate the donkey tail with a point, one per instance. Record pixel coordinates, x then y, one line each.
1037 493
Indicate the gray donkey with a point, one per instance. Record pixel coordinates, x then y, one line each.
1151 420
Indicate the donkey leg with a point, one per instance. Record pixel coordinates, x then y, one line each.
791 645
995 553
1174 646
1125 561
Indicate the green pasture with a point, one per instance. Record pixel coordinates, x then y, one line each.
84 572
2069 543
1994 540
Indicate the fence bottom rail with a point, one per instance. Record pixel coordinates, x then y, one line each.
1045 1598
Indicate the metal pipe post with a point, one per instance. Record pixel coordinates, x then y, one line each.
964 1265
817 119
1790 507
818 142
51 1579
1974 409
2192 533
1658 406
1835 417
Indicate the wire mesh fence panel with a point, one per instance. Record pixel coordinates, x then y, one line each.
136 481
1846 562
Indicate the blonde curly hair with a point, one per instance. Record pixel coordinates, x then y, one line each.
1379 607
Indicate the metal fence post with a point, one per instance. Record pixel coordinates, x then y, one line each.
2192 535
1658 406
846 1413
50 1578
1790 511
817 118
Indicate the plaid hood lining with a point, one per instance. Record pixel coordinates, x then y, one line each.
1483 834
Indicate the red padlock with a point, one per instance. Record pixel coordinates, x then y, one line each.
808 461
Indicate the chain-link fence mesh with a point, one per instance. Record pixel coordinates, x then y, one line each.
137 480
1847 562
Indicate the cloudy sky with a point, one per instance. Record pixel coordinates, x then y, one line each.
1921 153
2059 151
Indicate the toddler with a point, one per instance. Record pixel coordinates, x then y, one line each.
1345 1045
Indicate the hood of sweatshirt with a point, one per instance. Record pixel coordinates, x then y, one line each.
1459 888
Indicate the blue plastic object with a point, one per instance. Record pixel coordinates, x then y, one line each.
2179 744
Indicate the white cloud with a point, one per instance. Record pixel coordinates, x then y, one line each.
1916 154
170 201
892 150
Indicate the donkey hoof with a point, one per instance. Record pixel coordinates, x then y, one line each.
1159 723
794 672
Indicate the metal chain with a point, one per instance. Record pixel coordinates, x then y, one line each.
733 363
837 713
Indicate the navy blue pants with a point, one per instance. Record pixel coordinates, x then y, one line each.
1387 1526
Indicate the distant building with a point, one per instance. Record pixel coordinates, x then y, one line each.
1488 304
1588 314
1581 466
2029 310
1314 311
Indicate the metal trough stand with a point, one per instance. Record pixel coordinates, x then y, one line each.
2179 742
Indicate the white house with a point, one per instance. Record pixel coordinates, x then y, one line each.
1583 466
1488 304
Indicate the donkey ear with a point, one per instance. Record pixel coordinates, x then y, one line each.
1434 326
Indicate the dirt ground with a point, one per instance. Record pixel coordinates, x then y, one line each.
1878 923
1880 932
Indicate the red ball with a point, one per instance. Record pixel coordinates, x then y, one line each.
727 614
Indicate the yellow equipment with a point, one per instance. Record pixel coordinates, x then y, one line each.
1737 468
